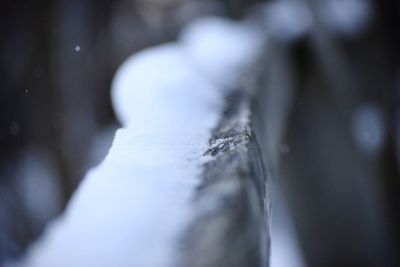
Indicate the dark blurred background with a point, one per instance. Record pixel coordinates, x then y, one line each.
331 110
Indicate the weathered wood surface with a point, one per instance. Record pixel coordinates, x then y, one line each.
232 203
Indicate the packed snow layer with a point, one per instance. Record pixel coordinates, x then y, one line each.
126 212
154 89
132 209
221 49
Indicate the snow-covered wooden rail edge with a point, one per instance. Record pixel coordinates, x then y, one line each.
183 184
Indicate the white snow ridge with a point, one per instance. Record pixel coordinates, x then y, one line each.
132 208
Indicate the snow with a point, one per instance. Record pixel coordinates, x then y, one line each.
161 81
221 49
122 215
131 209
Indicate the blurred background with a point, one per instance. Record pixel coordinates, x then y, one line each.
329 86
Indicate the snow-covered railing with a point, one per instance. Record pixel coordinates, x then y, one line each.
185 181
177 187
